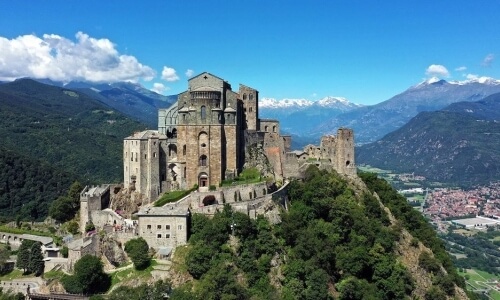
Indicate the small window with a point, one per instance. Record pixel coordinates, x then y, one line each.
203 160
158 235
250 109
179 227
149 226
158 227
244 96
154 154
167 227
203 112
184 150
167 236
203 145
250 96
145 156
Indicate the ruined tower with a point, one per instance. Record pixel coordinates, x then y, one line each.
344 156
250 99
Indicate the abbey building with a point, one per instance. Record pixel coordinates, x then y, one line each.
211 133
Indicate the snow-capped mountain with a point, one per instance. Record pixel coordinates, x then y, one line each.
371 123
298 116
331 102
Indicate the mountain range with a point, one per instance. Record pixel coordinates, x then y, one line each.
128 98
298 116
370 123
459 144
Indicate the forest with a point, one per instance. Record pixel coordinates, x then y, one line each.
51 137
332 243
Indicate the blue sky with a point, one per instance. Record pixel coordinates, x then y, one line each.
366 51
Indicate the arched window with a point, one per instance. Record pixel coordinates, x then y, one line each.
202 139
184 150
274 128
250 96
244 96
203 160
172 150
203 112
265 128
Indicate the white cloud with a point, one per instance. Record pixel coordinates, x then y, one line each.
461 69
159 88
62 59
189 73
471 76
437 70
488 60
169 74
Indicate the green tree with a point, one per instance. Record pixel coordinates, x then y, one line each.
62 209
88 278
199 259
74 194
36 264
4 256
435 293
72 227
137 250
24 254
64 251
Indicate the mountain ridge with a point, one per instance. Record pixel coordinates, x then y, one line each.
457 145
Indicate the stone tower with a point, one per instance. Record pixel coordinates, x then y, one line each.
250 100
344 156
207 131
144 163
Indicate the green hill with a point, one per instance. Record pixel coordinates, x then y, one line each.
336 241
63 130
446 146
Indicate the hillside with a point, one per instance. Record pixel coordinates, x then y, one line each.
336 241
371 123
130 99
458 145
28 186
65 129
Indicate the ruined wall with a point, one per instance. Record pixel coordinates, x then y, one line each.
291 165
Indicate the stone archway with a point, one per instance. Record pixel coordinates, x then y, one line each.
209 200
203 181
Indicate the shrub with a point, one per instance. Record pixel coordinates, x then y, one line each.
137 250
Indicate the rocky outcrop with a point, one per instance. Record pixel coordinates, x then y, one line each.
127 202
256 157
113 251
